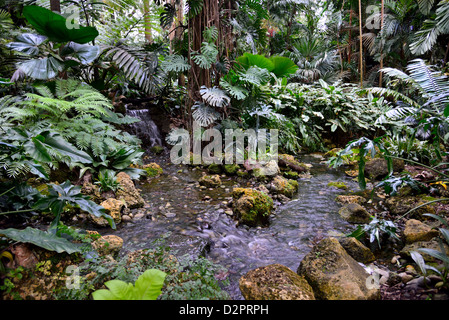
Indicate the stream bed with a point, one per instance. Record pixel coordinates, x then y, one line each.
194 221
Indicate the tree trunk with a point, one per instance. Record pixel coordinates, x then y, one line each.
361 44
55 5
381 40
147 21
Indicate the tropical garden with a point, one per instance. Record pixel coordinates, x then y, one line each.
93 94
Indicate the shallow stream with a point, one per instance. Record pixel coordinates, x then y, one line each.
194 220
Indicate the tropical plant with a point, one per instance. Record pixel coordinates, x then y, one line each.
147 287
55 49
427 110
107 180
376 229
440 255
61 195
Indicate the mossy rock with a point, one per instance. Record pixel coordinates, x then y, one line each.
251 207
242 173
231 169
286 187
152 169
157 149
291 174
338 184
210 181
214 168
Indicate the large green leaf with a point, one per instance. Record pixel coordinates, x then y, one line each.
27 43
41 69
41 239
54 26
283 66
248 60
83 52
147 287
57 142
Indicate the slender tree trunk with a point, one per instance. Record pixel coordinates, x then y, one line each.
381 40
350 37
55 5
147 21
361 44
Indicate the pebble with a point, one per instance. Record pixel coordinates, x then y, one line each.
139 216
405 277
410 269
126 218
169 214
229 212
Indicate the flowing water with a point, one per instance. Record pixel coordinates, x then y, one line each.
145 129
194 220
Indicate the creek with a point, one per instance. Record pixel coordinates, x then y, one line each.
193 221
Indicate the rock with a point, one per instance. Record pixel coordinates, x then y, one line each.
401 205
108 245
334 274
405 277
231 169
128 192
291 174
269 168
23 256
91 190
274 282
376 169
417 283
281 185
432 244
115 208
338 185
210 181
152 169
126 218
350 199
214 168
251 207
415 230
357 250
354 213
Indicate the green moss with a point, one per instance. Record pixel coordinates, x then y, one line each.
157 149
242 173
252 206
214 168
153 169
337 184
231 169
291 174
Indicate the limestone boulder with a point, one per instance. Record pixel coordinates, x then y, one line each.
210 181
377 168
128 192
357 250
354 213
251 207
108 245
274 282
286 187
115 208
416 230
334 274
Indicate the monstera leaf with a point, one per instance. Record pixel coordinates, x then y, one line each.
54 26
41 239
